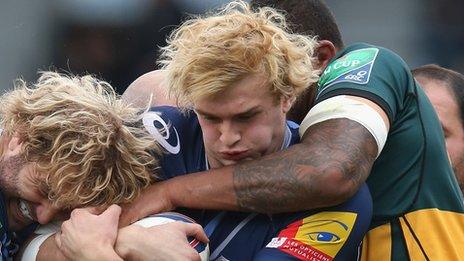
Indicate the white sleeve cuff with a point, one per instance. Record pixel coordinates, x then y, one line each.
43 232
343 107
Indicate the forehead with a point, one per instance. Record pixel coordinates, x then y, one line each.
249 92
442 99
435 88
438 92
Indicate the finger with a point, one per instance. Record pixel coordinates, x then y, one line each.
112 213
96 210
195 230
76 212
58 239
79 213
65 225
195 257
125 218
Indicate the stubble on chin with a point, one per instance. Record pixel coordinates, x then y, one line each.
9 173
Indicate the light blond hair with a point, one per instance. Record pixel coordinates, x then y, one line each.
84 140
205 55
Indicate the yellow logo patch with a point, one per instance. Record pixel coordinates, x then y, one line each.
319 236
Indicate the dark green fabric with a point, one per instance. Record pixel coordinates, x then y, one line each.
412 171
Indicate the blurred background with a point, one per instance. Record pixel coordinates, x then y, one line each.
117 39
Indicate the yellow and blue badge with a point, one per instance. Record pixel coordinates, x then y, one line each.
317 237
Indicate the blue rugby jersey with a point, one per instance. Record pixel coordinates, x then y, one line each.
8 246
322 234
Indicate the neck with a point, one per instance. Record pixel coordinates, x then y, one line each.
302 105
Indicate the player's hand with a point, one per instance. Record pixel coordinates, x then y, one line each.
90 236
161 242
153 200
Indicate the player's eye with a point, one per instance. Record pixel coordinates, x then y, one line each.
323 237
211 119
247 117
446 132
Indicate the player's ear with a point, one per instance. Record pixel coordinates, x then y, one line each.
287 103
14 144
325 52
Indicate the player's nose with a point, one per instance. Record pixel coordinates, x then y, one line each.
229 134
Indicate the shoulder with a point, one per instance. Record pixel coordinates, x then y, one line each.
149 88
179 134
371 72
357 62
171 127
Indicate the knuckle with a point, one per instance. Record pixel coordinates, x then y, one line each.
197 226
193 255
64 225
116 207
76 212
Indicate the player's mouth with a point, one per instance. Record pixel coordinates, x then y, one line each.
25 209
234 155
22 211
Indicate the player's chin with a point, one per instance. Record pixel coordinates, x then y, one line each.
225 162
228 162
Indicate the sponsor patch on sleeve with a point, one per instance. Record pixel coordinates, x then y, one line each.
318 237
354 67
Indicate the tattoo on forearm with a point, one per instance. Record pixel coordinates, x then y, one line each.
338 150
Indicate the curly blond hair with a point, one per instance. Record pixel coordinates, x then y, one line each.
207 54
84 140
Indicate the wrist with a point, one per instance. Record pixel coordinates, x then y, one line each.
125 241
107 253
171 201
122 249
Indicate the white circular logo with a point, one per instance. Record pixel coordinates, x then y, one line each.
162 134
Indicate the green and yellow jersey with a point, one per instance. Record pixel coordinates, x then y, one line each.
418 206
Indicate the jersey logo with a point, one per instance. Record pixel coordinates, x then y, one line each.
162 134
355 67
316 237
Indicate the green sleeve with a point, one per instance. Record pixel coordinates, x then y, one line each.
370 72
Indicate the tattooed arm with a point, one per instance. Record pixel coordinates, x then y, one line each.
329 165
333 159
324 170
